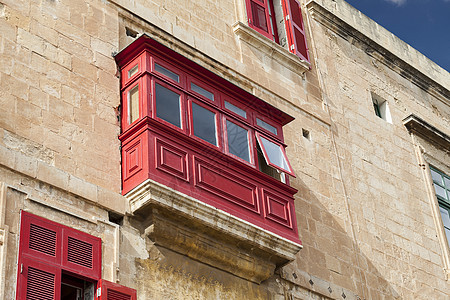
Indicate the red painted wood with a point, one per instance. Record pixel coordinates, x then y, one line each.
258 16
48 242
114 291
82 253
295 28
174 157
171 159
217 182
277 208
227 186
40 239
38 280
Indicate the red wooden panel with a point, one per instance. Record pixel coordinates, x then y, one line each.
294 28
258 16
112 291
38 281
171 159
277 208
40 238
82 253
133 158
226 186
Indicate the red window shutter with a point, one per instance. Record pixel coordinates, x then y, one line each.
258 16
294 29
81 253
40 238
112 291
38 281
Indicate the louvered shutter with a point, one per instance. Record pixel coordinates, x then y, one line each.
112 291
258 16
294 29
40 239
38 280
81 253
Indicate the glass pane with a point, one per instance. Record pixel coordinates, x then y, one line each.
266 126
204 124
133 104
436 176
238 141
235 109
275 154
447 183
168 105
133 71
445 217
440 191
202 91
166 72
447 233
265 168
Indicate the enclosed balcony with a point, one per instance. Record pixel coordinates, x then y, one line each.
196 146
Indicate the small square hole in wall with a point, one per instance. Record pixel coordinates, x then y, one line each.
115 218
381 108
306 134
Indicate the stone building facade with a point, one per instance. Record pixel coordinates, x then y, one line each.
364 117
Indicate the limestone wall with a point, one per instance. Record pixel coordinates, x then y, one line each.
364 207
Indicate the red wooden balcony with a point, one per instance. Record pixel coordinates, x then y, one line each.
196 133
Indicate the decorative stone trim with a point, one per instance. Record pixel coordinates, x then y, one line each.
341 18
416 124
202 232
280 54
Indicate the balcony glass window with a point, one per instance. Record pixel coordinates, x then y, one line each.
167 105
238 143
204 123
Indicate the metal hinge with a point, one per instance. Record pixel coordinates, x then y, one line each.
287 18
292 47
21 268
99 292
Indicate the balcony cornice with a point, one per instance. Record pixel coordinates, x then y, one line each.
245 250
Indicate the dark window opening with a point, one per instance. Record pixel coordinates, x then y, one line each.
264 167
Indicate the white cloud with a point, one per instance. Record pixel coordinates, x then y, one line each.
400 2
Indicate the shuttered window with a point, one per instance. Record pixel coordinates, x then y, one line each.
261 17
112 291
295 30
46 249
38 280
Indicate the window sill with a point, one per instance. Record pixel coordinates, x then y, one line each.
280 54
181 223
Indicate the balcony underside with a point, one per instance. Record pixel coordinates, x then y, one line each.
207 234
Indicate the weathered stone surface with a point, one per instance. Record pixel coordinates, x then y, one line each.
367 214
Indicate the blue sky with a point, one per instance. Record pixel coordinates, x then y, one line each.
423 24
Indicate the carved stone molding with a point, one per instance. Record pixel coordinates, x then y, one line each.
341 18
204 233
415 124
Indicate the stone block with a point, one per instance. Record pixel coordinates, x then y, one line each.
82 188
112 201
52 175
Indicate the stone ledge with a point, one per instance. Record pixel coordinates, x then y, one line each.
202 232
416 124
280 54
